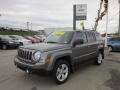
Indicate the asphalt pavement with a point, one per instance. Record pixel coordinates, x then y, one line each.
87 77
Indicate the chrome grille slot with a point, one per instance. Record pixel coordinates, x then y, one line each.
25 55
30 55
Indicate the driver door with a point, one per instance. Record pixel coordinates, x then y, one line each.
80 50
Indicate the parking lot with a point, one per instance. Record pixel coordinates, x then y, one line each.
87 77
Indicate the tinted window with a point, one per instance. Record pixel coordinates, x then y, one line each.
91 36
81 35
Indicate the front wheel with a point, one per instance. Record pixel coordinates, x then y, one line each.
61 72
99 59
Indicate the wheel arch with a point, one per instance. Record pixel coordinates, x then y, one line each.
67 58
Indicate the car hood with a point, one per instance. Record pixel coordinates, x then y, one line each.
45 46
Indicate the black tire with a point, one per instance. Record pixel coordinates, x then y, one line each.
55 71
4 47
99 58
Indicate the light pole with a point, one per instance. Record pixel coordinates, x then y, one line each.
31 26
0 16
28 26
106 32
119 18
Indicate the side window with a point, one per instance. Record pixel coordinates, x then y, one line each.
81 35
91 36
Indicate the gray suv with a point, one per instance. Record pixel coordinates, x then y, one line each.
60 53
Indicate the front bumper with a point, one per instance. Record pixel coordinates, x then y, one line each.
39 67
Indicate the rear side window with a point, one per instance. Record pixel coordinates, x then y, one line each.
91 36
115 39
98 36
81 35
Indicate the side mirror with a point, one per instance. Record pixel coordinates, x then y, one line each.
78 42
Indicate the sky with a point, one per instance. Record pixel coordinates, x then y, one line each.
54 13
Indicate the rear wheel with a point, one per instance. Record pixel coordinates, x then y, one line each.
99 59
61 71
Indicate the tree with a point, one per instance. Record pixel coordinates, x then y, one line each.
103 3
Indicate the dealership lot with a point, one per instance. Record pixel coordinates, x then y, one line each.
87 77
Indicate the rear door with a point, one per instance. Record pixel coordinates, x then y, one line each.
92 44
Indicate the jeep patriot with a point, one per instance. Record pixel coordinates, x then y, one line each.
60 52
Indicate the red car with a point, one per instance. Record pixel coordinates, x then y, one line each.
33 40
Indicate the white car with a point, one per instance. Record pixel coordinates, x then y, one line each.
20 39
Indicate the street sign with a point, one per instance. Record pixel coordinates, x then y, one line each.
81 11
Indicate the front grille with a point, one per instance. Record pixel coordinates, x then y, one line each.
25 55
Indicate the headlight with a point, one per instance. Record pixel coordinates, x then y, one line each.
37 56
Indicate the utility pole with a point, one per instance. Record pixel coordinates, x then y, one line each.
31 26
119 18
28 26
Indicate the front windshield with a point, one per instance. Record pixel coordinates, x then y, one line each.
5 37
60 37
17 37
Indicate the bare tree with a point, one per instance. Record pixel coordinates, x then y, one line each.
103 3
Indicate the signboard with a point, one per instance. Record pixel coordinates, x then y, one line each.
81 11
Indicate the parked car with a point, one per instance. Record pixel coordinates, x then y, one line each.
20 39
113 43
36 37
33 40
43 37
62 51
7 42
